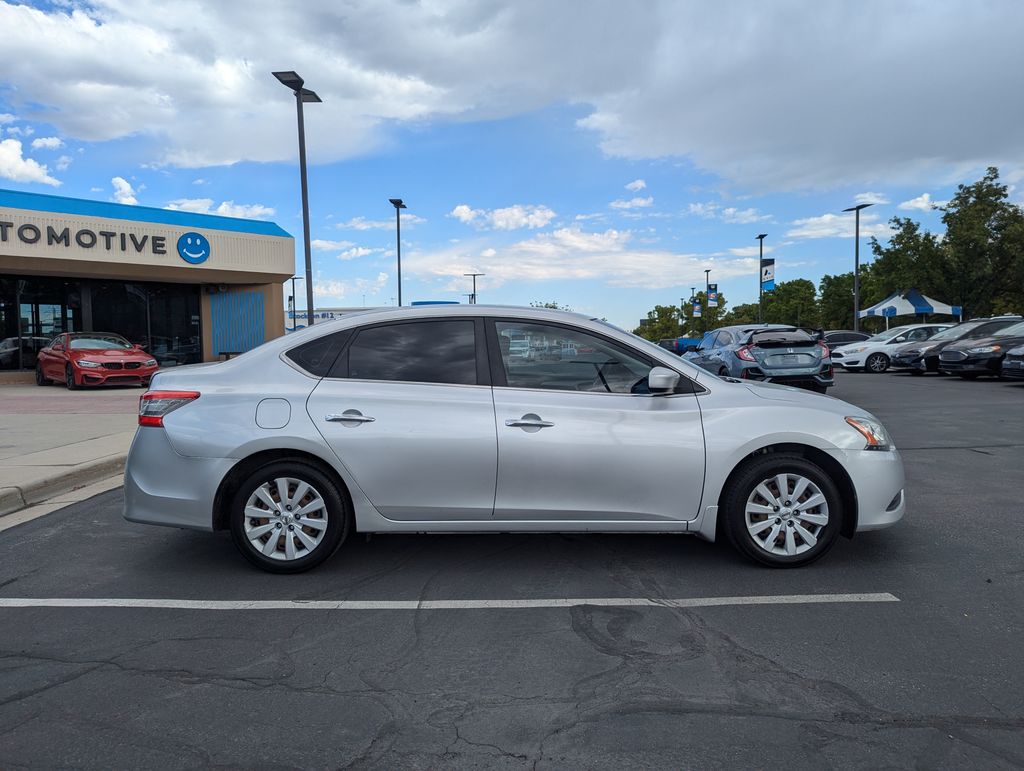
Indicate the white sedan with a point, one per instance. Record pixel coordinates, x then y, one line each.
875 353
420 419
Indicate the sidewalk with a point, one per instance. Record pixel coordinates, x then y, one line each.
54 441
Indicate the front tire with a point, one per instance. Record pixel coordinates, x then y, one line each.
288 517
877 363
69 378
759 523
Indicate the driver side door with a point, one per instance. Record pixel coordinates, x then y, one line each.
581 438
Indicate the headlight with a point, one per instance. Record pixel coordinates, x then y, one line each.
873 431
149 363
986 349
88 364
853 350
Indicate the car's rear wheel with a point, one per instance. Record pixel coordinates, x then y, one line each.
41 379
917 372
288 516
69 378
782 510
723 372
968 375
876 362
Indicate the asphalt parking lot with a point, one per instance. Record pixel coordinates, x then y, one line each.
931 678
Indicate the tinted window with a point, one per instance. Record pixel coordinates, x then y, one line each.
567 359
421 352
708 341
724 339
317 356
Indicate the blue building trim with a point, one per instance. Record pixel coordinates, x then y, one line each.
56 204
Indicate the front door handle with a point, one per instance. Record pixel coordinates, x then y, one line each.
349 416
528 421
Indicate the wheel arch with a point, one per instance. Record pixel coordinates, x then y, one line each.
229 484
835 470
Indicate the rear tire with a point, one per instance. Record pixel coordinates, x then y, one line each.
723 372
291 545
764 535
41 379
877 363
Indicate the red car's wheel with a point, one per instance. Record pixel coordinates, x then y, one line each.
69 378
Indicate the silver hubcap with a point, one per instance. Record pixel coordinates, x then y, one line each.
285 519
786 514
877 363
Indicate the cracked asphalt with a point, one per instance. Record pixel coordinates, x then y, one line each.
932 681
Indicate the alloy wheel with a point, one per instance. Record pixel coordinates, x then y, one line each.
877 362
786 514
285 519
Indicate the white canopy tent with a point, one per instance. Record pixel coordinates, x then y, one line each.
909 303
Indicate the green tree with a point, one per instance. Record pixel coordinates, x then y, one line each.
552 305
792 302
744 313
835 306
910 259
661 322
709 318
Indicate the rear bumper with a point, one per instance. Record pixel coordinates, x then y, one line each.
162 487
822 376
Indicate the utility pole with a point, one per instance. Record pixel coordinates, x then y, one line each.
856 263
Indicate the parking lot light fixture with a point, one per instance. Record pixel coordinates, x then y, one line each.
472 297
707 291
760 284
399 205
291 79
856 263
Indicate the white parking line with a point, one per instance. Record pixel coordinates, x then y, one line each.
612 602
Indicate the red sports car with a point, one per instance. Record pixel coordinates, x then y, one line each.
93 358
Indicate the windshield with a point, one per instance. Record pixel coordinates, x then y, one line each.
887 335
954 333
99 342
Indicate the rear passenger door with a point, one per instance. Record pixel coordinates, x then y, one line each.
407 408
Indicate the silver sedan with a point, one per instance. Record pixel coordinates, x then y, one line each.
473 418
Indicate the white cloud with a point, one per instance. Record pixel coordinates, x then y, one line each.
573 254
6 117
586 217
706 211
95 189
224 209
508 218
736 216
47 143
488 252
636 185
21 131
872 198
199 181
750 251
923 202
632 203
358 251
838 226
339 290
361 223
63 162
14 166
319 243
123 191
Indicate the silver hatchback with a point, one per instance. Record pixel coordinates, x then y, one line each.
431 420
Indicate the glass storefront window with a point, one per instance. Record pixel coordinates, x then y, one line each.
33 310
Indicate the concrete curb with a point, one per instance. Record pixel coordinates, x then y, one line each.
14 498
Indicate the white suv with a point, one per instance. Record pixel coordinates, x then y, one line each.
873 354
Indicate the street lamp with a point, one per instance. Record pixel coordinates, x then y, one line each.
856 264
295 304
760 284
472 297
397 203
291 79
707 291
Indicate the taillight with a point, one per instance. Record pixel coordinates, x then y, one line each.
744 353
824 349
155 405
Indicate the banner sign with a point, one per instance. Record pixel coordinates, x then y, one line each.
712 295
696 308
768 273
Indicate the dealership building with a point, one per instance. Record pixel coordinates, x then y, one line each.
187 287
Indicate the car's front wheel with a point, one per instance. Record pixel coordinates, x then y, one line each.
288 516
783 511
69 378
876 362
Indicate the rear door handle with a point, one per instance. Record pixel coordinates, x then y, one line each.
349 416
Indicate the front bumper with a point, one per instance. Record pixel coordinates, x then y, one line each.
982 365
848 361
1013 367
878 479
101 376
162 487
916 361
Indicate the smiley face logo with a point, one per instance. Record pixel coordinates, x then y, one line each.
193 248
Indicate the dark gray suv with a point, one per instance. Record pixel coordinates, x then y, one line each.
777 353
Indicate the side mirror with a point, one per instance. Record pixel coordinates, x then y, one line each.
692 349
662 380
900 339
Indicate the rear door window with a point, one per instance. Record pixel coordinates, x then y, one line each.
415 352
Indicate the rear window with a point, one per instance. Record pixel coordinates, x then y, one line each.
781 336
317 356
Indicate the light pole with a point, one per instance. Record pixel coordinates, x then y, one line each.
295 304
707 289
397 203
760 284
291 80
856 264
472 297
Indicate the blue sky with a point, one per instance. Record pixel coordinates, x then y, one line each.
602 163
